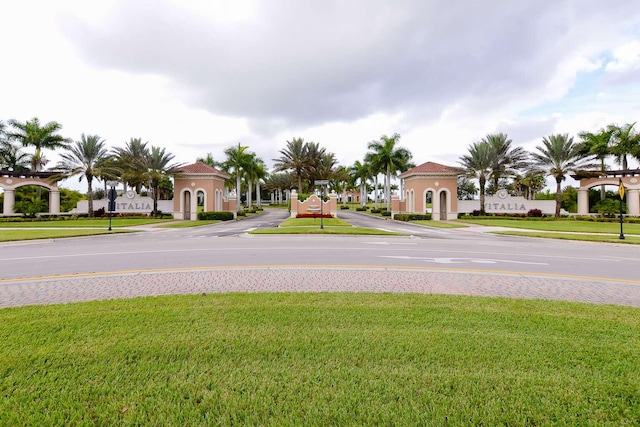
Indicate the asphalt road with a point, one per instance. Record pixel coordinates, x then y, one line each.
228 246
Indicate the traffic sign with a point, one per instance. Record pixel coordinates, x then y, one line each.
621 190
322 182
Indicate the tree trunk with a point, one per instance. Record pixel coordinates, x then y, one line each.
558 196
258 195
90 196
375 194
237 191
482 181
388 189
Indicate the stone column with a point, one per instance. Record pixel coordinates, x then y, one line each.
54 201
9 200
583 202
633 202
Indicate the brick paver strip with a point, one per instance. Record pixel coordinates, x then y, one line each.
281 279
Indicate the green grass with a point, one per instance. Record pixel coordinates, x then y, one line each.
320 359
629 239
312 222
187 224
83 223
13 235
438 224
327 230
557 225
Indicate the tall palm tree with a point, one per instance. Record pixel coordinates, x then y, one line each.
254 171
624 142
85 158
360 173
597 145
389 159
477 163
131 161
558 156
42 137
157 166
506 161
315 156
293 157
238 159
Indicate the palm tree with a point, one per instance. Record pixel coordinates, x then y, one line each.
33 134
478 164
208 160
131 161
506 161
85 158
559 155
238 159
360 173
293 157
625 142
157 166
598 146
388 159
11 157
254 171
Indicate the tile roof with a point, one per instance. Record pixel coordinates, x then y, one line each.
431 168
201 168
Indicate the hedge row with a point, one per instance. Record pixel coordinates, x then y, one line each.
412 217
221 216
313 215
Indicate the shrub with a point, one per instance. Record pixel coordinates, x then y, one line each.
344 207
313 215
361 208
412 217
375 211
222 216
476 212
99 213
534 213
386 213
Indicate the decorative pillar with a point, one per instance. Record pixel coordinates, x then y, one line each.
583 201
294 203
633 202
54 201
9 200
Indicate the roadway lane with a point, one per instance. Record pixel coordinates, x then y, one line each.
227 244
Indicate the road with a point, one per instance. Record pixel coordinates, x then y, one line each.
472 255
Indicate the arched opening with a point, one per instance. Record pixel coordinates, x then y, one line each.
427 205
186 205
200 201
28 200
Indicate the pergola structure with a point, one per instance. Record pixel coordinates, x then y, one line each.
630 179
11 180
439 180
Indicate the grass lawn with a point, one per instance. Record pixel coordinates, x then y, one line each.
83 223
320 359
12 235
438 224
312 222
557 225
187 224
629 239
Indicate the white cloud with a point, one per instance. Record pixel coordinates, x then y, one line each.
625 58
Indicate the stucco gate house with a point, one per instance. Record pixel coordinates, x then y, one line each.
199 184
433 181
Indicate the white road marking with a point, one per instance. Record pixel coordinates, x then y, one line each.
464 260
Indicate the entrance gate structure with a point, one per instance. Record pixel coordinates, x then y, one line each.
12 180
200 186
439 180
630 180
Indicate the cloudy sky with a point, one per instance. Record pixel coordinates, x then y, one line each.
198 76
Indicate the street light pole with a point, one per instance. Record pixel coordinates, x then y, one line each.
621 193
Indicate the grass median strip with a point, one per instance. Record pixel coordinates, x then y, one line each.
83 223
320 359
629 239
13 235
